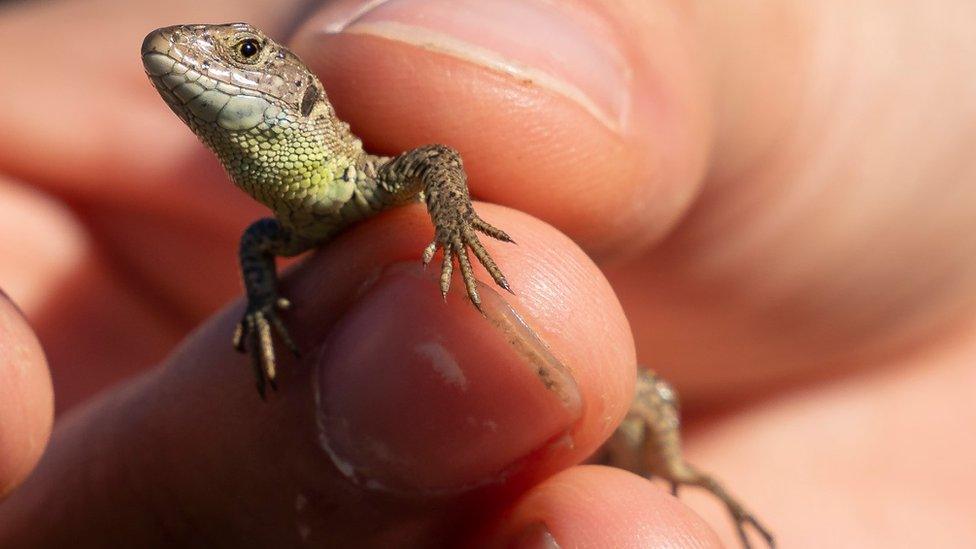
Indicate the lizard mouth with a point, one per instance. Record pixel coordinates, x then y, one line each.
196 89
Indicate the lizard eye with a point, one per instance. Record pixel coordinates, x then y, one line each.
248 48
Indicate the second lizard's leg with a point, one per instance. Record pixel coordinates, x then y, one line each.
437 171
262 241
648 443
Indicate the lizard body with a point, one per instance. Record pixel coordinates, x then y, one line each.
269 121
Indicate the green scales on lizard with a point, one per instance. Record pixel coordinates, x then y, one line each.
267 117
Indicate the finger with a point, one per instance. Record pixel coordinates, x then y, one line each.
405 416
794 267
26 399
594 506
94 327
573 112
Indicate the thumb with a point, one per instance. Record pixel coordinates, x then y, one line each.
588 114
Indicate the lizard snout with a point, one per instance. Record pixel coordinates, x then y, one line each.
158 41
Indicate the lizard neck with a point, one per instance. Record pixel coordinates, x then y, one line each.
290 162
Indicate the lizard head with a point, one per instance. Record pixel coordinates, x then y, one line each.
229 77
255 104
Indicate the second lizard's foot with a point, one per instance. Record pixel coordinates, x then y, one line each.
456 235
253 333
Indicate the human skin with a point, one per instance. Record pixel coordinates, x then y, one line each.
780 202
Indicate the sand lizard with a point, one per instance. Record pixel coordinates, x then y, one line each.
268 119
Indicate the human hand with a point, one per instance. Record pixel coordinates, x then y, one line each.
762 282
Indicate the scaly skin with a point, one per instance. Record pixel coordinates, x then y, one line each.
267 117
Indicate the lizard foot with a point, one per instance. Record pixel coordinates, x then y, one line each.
740 515
253 333
456 236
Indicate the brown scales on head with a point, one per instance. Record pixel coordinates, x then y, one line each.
237 55
264 114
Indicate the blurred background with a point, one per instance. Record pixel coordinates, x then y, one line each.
796 249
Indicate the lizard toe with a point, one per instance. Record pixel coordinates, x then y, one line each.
254 335
447 270
467 272
483 226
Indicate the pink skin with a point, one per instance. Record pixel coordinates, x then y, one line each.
782 202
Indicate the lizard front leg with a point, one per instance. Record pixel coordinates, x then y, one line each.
437 171
648 443
261 243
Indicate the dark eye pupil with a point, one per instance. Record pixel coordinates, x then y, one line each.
249 48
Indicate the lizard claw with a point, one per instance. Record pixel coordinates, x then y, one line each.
429 252
743 518
456 238
253 334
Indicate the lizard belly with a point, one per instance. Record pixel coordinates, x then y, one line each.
314 208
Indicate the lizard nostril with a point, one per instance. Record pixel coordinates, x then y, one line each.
157 41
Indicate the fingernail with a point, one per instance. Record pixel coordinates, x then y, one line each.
534 536
559 46
16 307
421 397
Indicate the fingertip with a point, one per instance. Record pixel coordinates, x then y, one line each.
568 302
26 397
596 506
456 377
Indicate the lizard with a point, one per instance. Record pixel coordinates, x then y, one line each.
268 119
